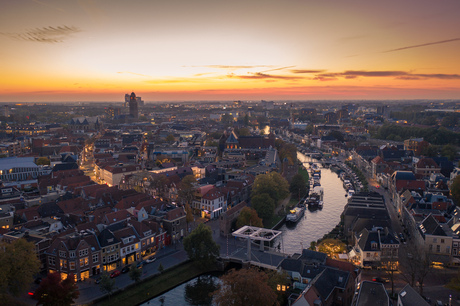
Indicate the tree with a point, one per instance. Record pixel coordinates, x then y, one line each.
272 184
244 132
160 184
244 287
264 206
455 190
337 135
416 265
107 284
187 189
248 216
135 273
18 265
55 291
43 161
449 151
298 186
188 214
200 246
160 268
454 283
170 138
279 282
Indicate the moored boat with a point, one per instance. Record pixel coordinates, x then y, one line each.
295 214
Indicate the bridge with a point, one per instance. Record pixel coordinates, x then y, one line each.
263 255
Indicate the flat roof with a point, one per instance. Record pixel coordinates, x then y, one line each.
13 162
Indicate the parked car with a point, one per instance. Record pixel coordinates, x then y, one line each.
98 280
380 280
115 273
140 265
150 260
126 269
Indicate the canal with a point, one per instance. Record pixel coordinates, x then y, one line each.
194 292
316 223
310 228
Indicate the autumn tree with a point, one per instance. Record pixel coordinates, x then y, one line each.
264 206
298 186
135 273
107 284
248 216
187 189
18 265
245 287
200 246
55 291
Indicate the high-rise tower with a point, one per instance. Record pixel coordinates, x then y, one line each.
133 109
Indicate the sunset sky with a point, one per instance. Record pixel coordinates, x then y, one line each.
179 50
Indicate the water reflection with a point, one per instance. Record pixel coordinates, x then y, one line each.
199 292
194 292
316 223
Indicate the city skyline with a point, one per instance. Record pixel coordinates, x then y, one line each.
240 50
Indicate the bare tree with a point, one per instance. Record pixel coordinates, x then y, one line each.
415 265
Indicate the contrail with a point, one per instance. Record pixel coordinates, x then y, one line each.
423 45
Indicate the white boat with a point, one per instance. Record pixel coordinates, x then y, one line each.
295 214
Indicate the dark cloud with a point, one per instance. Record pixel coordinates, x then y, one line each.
439 76
306 71
423 45
45 35
373 73
401 75
323 78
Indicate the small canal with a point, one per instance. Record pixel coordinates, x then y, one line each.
315 224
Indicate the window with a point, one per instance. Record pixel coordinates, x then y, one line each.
438 248
435 240
62 254
83 252
72 254
52 261
95 257
63 263
430 248
72 265
442 240
447 249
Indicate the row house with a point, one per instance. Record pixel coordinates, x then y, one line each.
212 204
79 254
426 166
436 238
375 247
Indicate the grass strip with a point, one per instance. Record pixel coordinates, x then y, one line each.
155 285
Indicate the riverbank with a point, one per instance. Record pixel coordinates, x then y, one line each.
155 285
